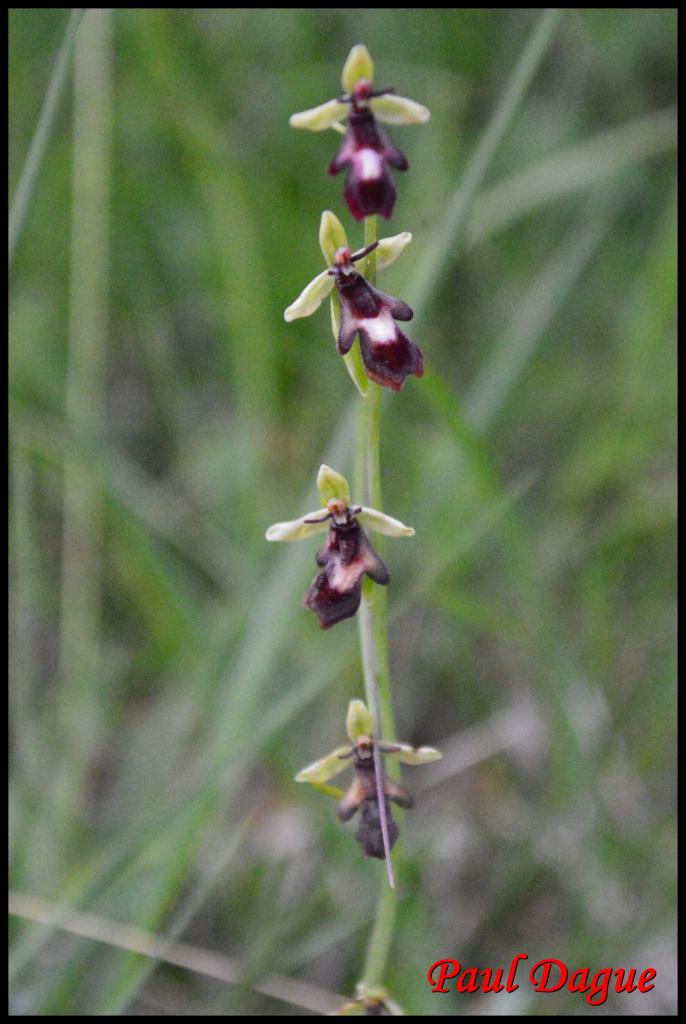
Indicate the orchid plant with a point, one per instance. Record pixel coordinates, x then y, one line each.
353 576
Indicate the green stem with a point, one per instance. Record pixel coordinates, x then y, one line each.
373 627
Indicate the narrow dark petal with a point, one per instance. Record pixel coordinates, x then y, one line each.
364 252
347 330
395 157
369 834
343 157
389 362
374 567
351 801
398 309
398 794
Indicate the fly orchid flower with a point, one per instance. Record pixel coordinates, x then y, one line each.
365 150
388 355
362 794
348 555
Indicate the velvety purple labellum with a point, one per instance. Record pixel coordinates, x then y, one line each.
346 557
366 150
362 796
389 356
369 834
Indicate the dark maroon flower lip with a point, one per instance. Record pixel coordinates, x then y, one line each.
389 356
367 152
362 795
345 559
369 833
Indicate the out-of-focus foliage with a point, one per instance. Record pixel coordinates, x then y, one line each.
167 685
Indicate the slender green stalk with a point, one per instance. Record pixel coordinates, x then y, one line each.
373 617
373 614
373 627
380 940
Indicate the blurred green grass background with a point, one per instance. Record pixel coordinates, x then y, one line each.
166 683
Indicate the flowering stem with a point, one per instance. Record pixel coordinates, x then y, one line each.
373 620
373 626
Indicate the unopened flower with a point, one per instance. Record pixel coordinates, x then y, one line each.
348 555
370 1001
365 151
388 355
362 794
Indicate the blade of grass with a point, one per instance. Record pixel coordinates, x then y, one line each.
133 972
534 315
250 341
573 169
46 120
301 994
85 400
448 236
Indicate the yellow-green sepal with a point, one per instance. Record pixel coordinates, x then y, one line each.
392 109
332 236
325 768
332 486
318 119
390 248
355 367
358 64
412 755
384 524
298 529
335 792
310 298
359 720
